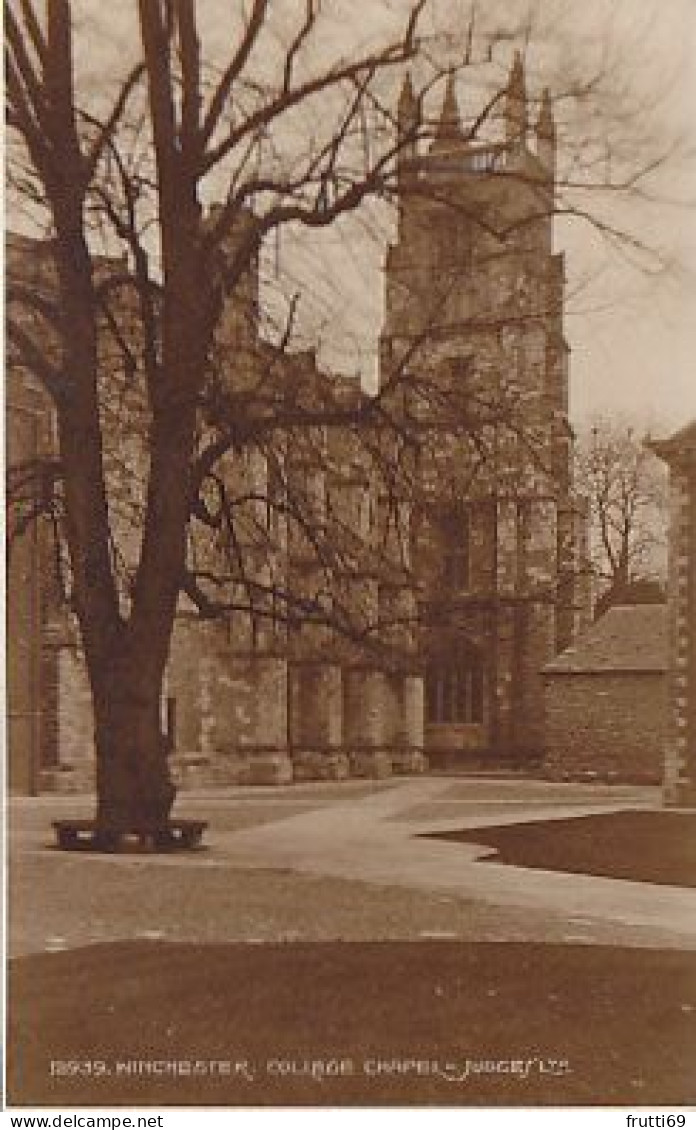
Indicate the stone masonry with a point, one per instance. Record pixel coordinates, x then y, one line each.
464 569
679 452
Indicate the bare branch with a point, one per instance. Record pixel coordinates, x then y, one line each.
20 115
311 11
25 68
33 357
235 68
157 52
29 297
108 129
190 78
34 29
394 55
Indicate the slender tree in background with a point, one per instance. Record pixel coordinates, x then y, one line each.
292 129
625 487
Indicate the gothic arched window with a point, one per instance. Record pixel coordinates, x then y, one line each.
455 541
454 686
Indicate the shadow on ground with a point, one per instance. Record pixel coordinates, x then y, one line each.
395 1023
647 847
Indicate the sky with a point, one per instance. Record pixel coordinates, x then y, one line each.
630 315
633 335
632 331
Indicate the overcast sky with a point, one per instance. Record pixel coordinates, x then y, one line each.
634 347
630 320
633 334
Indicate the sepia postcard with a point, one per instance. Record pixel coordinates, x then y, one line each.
350 417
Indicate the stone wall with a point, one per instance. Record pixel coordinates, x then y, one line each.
609 727
680 746
29 561
75 770
252 718
491 392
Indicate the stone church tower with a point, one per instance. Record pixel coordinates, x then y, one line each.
473 337
461 561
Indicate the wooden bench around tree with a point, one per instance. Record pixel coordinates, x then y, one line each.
76 835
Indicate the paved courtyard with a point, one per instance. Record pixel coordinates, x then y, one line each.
345 861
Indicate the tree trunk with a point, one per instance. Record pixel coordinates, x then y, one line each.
134 787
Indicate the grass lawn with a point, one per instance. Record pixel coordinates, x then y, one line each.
648 847
353 1023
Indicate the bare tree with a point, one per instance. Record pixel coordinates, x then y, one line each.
106 175
625 487
125 323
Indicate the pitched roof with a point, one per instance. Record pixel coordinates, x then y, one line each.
681 445
627 638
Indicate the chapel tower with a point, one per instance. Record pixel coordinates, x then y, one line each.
473 337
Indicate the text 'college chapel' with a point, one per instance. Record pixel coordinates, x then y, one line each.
467 552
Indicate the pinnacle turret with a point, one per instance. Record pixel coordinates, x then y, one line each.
449 128
408 118
407 99
546 134
516 103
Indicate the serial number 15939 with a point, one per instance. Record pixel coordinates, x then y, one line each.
91 1067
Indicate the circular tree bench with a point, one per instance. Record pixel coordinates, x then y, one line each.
81 835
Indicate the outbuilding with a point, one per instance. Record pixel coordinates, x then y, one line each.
606 699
